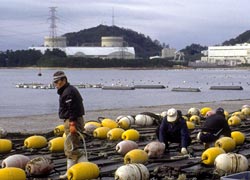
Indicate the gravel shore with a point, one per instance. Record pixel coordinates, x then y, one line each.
47 122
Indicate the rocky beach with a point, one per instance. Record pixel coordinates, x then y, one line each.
46 122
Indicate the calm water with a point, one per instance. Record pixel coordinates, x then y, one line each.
19 101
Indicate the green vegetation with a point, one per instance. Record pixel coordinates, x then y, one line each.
242 38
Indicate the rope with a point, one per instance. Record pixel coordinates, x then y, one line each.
84 143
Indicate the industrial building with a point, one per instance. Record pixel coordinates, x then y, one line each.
227 55
111 47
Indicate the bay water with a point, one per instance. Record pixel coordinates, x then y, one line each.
27 101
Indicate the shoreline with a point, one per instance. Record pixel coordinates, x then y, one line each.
47 122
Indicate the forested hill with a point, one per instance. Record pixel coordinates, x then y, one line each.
242 38
144 45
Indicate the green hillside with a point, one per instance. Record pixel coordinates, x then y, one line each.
242 38
144 45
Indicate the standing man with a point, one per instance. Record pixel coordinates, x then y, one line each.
71 110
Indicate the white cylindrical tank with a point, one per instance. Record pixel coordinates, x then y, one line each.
112 41
54 42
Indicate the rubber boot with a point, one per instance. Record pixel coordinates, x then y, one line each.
70 163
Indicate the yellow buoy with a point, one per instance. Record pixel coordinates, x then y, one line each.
210 154
115 134
101 132
238 137
226 143
109 123
234 121
12 173
240 115
83 171
35 142
91 126
136 156
131 134
226 113
246 112
195 119
56 144
126 121
204 110
190 125
64 135
5 145
59 130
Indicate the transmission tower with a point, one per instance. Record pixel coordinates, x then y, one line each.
53 19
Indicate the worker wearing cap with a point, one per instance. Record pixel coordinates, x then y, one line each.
173 128
71 110
214 127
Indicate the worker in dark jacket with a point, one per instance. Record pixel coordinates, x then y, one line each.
215 126
71 110
173 128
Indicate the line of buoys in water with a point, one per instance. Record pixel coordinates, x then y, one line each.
226 88
117 88
157 86
183 89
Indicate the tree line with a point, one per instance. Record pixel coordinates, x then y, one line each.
58 58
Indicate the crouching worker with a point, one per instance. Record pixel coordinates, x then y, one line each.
173 128
71 110
214 127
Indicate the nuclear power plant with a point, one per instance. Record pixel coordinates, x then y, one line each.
111 46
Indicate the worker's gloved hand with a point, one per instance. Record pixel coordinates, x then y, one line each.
199 136
72 127
184 151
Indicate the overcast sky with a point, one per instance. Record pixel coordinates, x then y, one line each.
179 23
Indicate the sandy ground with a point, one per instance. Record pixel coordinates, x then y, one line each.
47 122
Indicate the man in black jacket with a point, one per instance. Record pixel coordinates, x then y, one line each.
214 127
71 110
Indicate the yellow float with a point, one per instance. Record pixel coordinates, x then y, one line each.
125 122
115 134
109 123
240 115
83 171
210 154
59 130
12 173
226 143
35 142
204 110
226 114
101 132
238 137
131 134
136 156
6 145
246 112
91 126
195 119
190 125
56 144
234 121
